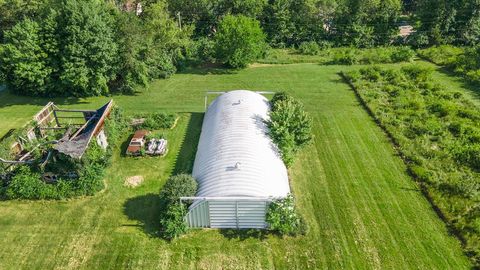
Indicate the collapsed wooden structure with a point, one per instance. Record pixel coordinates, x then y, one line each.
76 138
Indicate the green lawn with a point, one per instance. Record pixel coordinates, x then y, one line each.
362 209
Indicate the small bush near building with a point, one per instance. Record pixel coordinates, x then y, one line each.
173 212
239 41
282 217
290 126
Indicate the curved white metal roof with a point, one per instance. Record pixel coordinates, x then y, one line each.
236 156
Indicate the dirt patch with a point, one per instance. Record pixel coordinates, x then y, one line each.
133 181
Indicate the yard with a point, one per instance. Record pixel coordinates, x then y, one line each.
362 209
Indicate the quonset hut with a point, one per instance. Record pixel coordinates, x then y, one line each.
237 166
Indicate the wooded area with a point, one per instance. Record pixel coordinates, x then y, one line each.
95 47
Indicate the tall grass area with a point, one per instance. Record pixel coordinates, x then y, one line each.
311 53
464 61
437 131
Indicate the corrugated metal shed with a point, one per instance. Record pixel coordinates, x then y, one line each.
236 158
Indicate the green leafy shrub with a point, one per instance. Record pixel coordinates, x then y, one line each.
203 49
180 185
282 217
309 48
346 57
402 54
172 222
239 41
158 121
290 127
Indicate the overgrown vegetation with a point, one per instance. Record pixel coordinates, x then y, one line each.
172 223
73 177
289 125
437 131
159 120
282 217
464 61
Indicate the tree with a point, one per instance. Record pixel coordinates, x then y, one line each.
165 41
291 22
14 11
366 23
444 22
23 60
239 41
87 48
206 14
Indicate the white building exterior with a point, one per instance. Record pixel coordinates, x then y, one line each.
237 166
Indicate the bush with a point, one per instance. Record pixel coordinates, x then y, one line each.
283 218
26 184
203 49
346 57
158 121
172 222
402 54
290 127
239 41
309 48
180 185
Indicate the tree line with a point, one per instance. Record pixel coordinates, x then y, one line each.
94 47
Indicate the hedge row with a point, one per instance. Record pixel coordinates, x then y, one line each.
437 131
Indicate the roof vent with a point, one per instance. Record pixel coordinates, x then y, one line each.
237 165
237 103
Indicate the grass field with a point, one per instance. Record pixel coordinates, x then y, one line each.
362 209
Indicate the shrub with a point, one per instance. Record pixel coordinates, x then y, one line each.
172 223
181 185
239 41
417 72
290 126
25 184
402 54
346 57
309 48
158 121
205 49
283 218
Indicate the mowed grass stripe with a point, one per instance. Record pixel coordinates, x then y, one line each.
351 161
382 207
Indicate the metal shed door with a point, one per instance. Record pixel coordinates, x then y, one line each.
237 214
